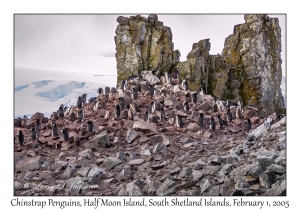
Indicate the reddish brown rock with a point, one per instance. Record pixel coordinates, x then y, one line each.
237 122
255 120
193 127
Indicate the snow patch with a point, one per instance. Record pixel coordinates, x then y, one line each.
41 83
20 88
60 91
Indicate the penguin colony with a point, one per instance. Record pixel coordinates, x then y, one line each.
138 99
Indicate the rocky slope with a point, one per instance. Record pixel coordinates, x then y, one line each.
134 157
248 69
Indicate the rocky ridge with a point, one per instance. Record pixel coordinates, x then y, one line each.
248 69
134 157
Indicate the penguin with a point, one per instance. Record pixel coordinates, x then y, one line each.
77 141
66 111
54 130
228 115
186 106
80 115
79 102
107 90
155 119
238 113
146 116
65 135
162 114
212 125
249 125
215 107
163 92
37 126
117 110
194 98
130 114
185 85
157 106
100 90
33 134
113 90
152 106
201 120
72 116
152 90
168 78
179 123
95 105
83 97
121 102
278 118
61 112
220 121
71 109
176 73
134 94
132 77
24 121
83 130
90 126
107 114
201 90
123 85
138 87
92 99
134 107
21 138
106 97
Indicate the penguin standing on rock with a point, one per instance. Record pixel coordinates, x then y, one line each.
24 121
238 113
249 125
201 91
113 90
121 102
162 114
66 111
138 87
155 119
21 138
185 85
130 114
33 134
134 107
212 125
90 126
152 106
179 122
79 102
163 92
152 90
37 126
123 85
80 115
117 110
61 112
95 105
194 98
100 90
201 120
83 97
134 94
220 122
168 78
54 130
176 73
186 106
229 116
72 116
107 90
65 135
146 116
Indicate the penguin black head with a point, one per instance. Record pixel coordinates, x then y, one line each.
20 132
64 131
37 120
201 114
33 129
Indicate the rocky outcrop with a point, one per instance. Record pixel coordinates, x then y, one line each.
144 44
249 69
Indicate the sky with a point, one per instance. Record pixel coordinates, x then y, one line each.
85 43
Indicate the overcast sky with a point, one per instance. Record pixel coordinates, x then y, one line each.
86 42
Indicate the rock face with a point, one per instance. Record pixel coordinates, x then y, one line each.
249 69
144 44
